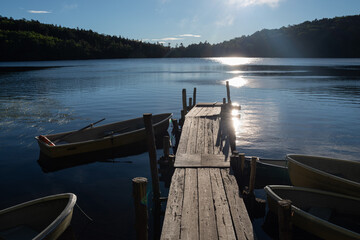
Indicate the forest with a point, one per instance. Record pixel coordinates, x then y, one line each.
24 40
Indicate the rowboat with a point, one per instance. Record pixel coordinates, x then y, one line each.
43 218
107 136
269 171
329 174
327 215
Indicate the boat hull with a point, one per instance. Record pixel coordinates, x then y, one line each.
113 141
43 218
329 174
305 201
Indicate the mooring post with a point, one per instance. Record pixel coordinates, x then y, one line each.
284 220
190 103
194 96
184 101
152 156
224 101
140 204
242 159
252 175
228 92
235 163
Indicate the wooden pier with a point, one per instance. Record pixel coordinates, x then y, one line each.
204 201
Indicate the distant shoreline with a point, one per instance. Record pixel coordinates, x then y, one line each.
23 69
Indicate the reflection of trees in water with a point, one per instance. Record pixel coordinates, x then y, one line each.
31 111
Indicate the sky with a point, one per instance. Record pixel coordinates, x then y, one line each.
177 21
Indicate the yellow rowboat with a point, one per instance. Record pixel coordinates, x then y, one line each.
329 174
43 218
91 139
327 215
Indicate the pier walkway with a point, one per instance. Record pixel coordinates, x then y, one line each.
204 200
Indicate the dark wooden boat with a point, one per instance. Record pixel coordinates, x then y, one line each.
330 174
43 218
107 136
327 215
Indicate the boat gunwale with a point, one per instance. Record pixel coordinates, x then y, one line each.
267 163
323 173
269 191
169 115
58 220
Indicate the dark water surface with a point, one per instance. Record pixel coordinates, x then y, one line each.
305 106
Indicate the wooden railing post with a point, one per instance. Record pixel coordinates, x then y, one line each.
140 204
184 101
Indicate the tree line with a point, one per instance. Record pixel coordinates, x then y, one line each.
22 40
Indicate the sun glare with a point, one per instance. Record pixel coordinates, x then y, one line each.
234 61
237 82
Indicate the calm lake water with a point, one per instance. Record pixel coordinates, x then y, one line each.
305 106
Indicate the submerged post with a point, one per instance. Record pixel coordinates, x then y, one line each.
140 204
228 92
150 137
284 219
194 97
252 175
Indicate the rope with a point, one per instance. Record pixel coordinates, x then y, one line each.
84 213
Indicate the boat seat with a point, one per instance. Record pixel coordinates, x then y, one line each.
321 212
18 233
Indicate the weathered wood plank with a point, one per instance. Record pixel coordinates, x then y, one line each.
191 147
194 111
172 219
202 160
209 140
183 143
242 224
190 212
200 140
222 213
202 113
207 221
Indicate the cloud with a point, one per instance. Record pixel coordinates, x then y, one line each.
226 21
167 39
190 35
38 12
246 3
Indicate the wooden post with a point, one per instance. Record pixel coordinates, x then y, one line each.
166 146
242 158
194 97
235 163
284 220
252 175
224 101
140 203
150 137
190 103
228 92
184 102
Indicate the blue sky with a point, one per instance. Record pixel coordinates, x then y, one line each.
177 21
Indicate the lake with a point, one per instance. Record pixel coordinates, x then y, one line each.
305 106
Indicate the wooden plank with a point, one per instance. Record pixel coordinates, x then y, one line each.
214 104
223 217
183 143
215 111
202 160
217 136
191 147
202 113
242 224
172 219
190 212
209 140
194 111
200 140
207 221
